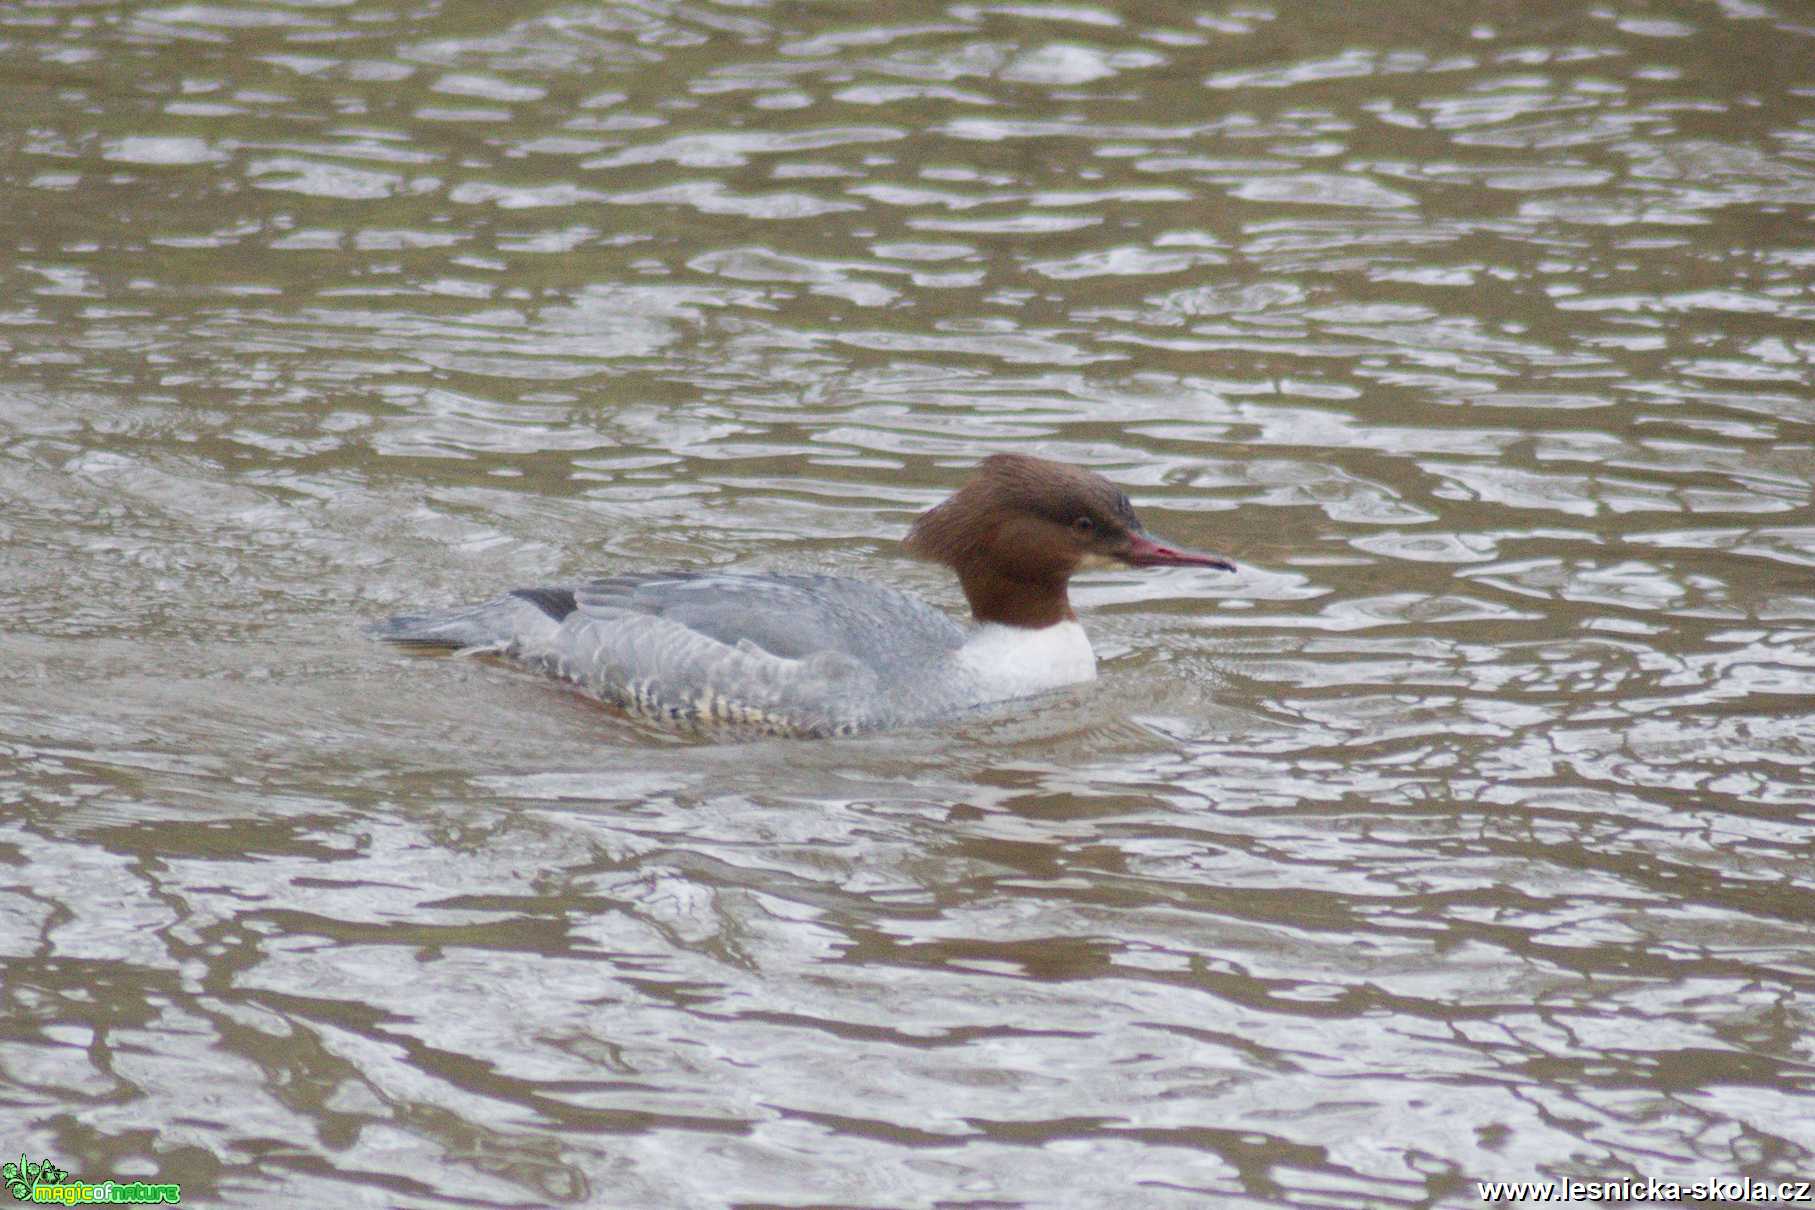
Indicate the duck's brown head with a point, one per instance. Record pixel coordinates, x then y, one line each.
1022 526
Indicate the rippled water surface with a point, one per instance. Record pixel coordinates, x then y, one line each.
1464 835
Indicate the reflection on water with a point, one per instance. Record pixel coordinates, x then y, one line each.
1463 836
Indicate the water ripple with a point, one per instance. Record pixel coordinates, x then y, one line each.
1460 835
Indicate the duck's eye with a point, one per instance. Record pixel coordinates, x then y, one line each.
1083 525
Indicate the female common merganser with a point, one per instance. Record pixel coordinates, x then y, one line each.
810 655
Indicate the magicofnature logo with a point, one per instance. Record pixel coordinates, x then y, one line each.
47 1184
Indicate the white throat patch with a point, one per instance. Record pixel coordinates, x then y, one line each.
1014 661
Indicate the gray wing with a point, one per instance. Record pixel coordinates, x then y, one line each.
808 655
789 616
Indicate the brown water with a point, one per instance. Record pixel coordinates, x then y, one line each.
1464 835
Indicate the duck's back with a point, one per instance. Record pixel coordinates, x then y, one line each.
775 654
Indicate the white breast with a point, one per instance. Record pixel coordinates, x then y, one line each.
1013 661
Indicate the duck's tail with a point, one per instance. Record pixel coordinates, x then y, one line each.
510 622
